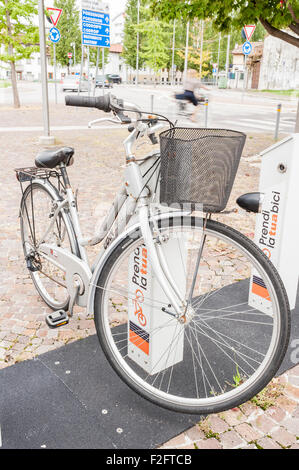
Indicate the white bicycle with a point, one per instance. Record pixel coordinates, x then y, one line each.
189 312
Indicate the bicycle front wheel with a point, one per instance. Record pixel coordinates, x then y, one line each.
236 327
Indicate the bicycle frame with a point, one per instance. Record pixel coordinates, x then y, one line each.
131 207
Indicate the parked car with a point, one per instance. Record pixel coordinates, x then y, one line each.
103 79
71 83
114 78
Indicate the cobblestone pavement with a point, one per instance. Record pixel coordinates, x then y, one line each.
97 172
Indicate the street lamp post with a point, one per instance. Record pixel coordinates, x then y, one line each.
186 52
172 61
137 52
201 48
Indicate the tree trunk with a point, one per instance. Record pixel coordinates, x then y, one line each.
16 98
297 119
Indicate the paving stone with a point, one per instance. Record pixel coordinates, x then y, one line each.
294 371
294 446
195 434
295 414
276 413
267 443
292 425
217 424
176 441
292 392
234 417
230 439
283 437
288 404
249 446
264 424
294 380
248 432
248 408
209 444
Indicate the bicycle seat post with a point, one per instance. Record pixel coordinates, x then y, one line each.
65 176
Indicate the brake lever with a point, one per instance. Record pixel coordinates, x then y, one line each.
115 120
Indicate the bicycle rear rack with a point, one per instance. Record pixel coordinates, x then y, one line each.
30 173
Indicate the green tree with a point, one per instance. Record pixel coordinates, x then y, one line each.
130 32
69 27
18 34
274 15
155 47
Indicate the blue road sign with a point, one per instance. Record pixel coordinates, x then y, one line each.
95 28
247 47
54 35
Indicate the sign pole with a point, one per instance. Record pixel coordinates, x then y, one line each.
81 68
245 73
54 46
137 52
103 68
172 60
186 52
227 56
88 62
44 78
97 67
217 73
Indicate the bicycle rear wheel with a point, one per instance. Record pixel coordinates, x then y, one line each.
37 209
229 347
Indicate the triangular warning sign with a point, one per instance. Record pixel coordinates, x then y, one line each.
54 14
249 30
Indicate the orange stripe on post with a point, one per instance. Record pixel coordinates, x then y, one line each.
139 342
260 291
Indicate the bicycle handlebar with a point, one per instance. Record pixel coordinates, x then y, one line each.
99 102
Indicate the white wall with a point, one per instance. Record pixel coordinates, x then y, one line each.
280 65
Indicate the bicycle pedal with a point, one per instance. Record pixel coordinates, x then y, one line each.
56 319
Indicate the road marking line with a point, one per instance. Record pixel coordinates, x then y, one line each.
56 128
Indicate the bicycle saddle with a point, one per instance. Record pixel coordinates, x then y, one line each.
51 158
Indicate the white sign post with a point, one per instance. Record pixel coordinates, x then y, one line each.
277 226
95 27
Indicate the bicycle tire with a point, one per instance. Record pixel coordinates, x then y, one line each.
207 406
73 246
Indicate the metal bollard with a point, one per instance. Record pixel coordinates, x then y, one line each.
206 105
277 121
152 103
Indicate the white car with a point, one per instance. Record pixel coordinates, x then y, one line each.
71 83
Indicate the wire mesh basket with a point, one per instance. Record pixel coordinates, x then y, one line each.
198 166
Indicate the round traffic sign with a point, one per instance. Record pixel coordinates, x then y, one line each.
54 35
247 47
70 55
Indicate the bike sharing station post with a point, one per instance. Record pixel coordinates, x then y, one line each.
277 224
95 27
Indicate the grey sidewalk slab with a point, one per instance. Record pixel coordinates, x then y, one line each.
71 398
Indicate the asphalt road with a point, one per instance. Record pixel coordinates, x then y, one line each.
234 109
